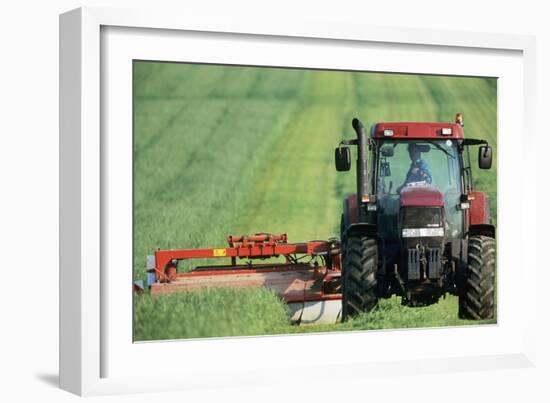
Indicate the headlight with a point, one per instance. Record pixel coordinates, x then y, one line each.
421 232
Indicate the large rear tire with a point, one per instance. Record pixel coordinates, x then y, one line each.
476 298
360 262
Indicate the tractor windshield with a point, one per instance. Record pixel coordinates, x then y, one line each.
417 163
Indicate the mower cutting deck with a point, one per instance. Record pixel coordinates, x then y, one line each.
308 280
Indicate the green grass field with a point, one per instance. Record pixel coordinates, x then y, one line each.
224 150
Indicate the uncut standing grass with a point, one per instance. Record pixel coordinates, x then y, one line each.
215 313
222 150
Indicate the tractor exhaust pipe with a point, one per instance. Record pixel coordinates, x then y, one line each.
362 167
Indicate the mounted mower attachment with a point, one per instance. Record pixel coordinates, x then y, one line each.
308 280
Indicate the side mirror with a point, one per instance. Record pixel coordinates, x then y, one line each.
485 157
342 159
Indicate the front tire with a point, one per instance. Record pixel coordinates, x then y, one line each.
360 262
476 298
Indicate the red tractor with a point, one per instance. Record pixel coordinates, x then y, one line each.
416 227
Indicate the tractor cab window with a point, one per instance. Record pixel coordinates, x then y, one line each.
419 163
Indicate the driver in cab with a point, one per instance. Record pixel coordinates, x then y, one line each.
419 170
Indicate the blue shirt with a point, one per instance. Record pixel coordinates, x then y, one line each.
423 173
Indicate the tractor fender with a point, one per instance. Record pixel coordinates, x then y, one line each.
351 224
351 211
482 229
361 229
479 211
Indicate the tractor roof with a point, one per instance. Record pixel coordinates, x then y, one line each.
417 130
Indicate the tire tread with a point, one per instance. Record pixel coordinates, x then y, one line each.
359 276
476 299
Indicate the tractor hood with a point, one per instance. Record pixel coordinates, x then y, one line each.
421 196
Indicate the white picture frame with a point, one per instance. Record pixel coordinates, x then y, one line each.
87 322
